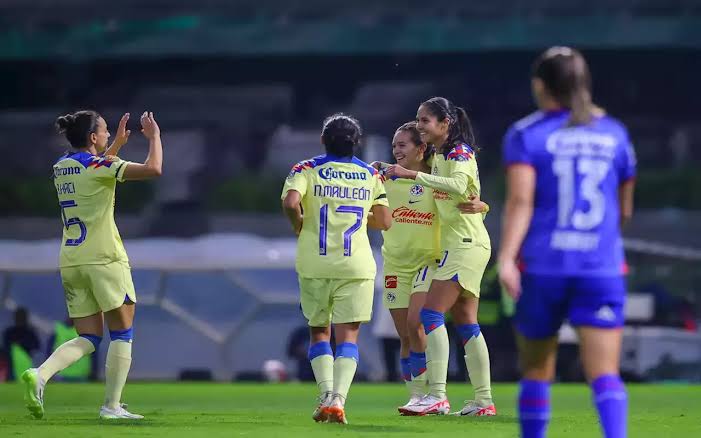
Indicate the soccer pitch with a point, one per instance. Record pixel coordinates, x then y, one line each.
284 410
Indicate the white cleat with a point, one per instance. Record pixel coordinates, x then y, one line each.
429 405
473 409
320 415
120 413
415 398
34 392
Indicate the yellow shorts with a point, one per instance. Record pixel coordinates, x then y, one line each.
327 300
91 289
400 286
465 266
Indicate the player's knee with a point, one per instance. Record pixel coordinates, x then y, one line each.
594 369
125 335
431 319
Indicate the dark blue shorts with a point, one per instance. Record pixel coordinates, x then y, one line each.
546 301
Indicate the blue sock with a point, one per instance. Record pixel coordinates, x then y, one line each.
125 335
417 362
612 403
534 408
431 319
406 369
468 331
94 339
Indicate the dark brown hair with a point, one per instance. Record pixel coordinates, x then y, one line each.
460 127
78 126
566 77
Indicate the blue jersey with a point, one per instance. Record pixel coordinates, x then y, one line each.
575 226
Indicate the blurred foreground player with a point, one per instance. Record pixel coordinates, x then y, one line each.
570 177
94 266
330 200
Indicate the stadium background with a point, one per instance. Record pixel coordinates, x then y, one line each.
240 88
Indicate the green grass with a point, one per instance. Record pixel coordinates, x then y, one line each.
213 410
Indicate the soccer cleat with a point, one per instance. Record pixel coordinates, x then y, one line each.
320 415
120 413
429 405
335 411
34 392
415 398
472 409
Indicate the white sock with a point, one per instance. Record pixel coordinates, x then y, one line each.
116 370
64 356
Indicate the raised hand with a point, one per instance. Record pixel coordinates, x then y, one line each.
120 138
149 127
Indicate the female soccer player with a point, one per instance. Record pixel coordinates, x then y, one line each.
465 249
329 200
94 266
410 253
570 171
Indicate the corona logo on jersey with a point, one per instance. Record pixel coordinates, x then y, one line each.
407 215
328 173
390 281
61 171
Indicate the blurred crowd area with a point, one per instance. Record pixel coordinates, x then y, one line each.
240 89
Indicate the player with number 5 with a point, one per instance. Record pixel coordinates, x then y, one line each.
330 200
94 266
570 176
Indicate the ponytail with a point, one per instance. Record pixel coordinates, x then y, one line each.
463 129
566 77
581 108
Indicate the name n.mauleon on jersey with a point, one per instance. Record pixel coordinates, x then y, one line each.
339 192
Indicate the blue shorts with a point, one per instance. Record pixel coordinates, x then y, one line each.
546 300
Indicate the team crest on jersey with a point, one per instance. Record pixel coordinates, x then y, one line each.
435 170
416 190
390 281
391 297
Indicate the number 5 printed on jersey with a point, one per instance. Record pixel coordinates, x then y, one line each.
324 223
68 222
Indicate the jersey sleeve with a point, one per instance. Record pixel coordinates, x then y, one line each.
379 192
625 160
108 168
296 180
514 149
462 168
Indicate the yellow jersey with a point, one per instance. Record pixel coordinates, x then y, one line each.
337 195
85 185
454 178
413 241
